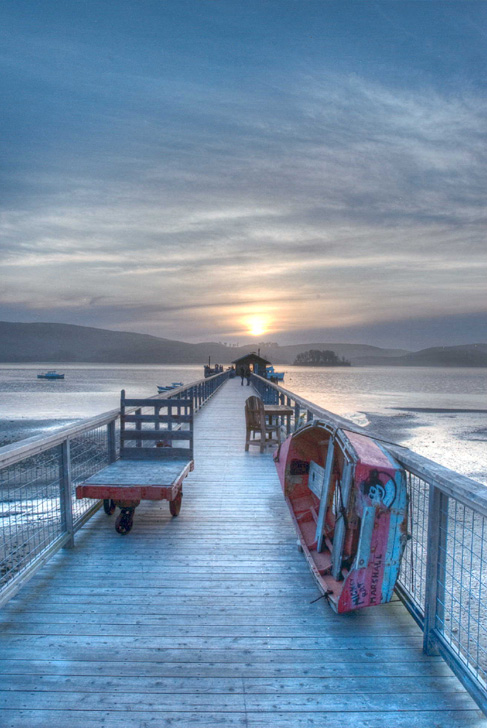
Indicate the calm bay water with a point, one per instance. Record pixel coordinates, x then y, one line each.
440 413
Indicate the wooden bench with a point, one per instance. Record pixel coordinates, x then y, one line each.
256 423
156 455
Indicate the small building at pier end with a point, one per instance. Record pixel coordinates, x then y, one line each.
254 362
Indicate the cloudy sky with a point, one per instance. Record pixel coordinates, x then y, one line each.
291 170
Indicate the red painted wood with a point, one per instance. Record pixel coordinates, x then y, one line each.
129 492
374 471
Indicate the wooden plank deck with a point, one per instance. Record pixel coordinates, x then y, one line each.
208 620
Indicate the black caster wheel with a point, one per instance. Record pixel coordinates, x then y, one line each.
175 505
125 521
109 506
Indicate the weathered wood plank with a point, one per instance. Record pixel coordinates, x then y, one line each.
159 640
236 685
160 668
181 629
58 650
141 719
223 702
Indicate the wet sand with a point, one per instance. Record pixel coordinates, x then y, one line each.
395 428
437 434
441 410
15 430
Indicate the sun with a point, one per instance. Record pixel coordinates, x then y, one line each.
257 325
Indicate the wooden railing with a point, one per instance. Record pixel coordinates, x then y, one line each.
443 579
39 513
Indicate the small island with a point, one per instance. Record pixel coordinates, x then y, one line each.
316 358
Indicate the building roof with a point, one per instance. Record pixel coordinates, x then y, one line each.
252 358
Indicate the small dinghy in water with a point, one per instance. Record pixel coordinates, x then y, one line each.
348 500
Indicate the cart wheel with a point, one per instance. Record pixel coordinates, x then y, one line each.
175 505
108 506
125 521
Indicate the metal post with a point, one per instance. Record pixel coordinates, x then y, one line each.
434 599
112 444
65 492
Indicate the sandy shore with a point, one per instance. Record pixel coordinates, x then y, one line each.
395 428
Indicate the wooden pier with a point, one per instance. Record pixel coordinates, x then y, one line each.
208 620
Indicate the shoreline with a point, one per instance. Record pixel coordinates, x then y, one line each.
14 430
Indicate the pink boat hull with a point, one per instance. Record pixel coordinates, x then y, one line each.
370 541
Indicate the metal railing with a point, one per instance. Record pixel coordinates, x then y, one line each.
39 512
443 579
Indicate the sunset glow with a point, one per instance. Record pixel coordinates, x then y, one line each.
201 179
257 325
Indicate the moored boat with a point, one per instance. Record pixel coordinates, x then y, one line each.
210 371
272 375
167 387
51 374
348 500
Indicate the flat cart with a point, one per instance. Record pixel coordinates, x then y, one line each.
156 455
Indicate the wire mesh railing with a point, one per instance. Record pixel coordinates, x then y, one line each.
460 616
412 579
30 516
443 578
39 512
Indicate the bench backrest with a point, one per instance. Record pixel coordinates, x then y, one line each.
255 414
158 429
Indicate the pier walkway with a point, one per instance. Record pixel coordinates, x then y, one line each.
207 620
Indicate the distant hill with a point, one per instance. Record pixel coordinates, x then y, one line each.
41 342
467 355
45 342
470 355
64 343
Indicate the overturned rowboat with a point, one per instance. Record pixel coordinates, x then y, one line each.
348 500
